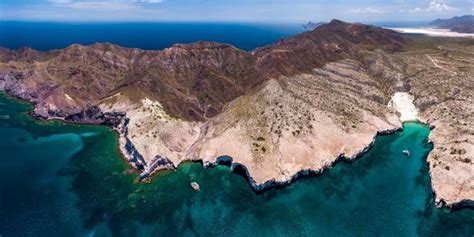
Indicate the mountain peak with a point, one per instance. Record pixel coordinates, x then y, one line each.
336 21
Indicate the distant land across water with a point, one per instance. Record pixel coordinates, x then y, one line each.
392 24
47 36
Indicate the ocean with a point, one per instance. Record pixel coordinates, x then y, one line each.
52 35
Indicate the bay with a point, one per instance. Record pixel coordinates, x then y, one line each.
60 179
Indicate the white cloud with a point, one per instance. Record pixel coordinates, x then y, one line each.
60 1
435 6
111 5
148 1
102 6
439 7
366 10
105 1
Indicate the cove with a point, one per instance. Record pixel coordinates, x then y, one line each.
60 179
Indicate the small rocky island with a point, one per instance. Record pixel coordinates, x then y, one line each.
298 104
195 186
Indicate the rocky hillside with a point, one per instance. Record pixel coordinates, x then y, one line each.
461 24
191 81
327 43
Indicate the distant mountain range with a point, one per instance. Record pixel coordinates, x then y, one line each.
461 24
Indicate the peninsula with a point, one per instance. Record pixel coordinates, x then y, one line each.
295 105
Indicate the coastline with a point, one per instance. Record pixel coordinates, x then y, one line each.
238 168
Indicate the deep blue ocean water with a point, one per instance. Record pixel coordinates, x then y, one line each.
46 36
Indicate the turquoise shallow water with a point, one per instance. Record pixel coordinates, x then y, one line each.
58 179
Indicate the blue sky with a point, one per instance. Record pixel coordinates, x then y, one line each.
232 10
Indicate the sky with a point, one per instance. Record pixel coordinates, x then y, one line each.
232 10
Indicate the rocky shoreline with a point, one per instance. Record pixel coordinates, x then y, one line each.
118 121
133 155
242 170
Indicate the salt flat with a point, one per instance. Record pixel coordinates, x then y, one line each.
432 32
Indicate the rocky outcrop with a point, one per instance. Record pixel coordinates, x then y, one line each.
94 115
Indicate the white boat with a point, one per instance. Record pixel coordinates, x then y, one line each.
195 186
406 152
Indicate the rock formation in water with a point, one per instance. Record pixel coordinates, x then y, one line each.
295 105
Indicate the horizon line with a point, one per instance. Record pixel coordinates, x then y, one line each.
207 21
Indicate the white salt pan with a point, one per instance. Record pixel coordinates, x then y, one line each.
432 32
